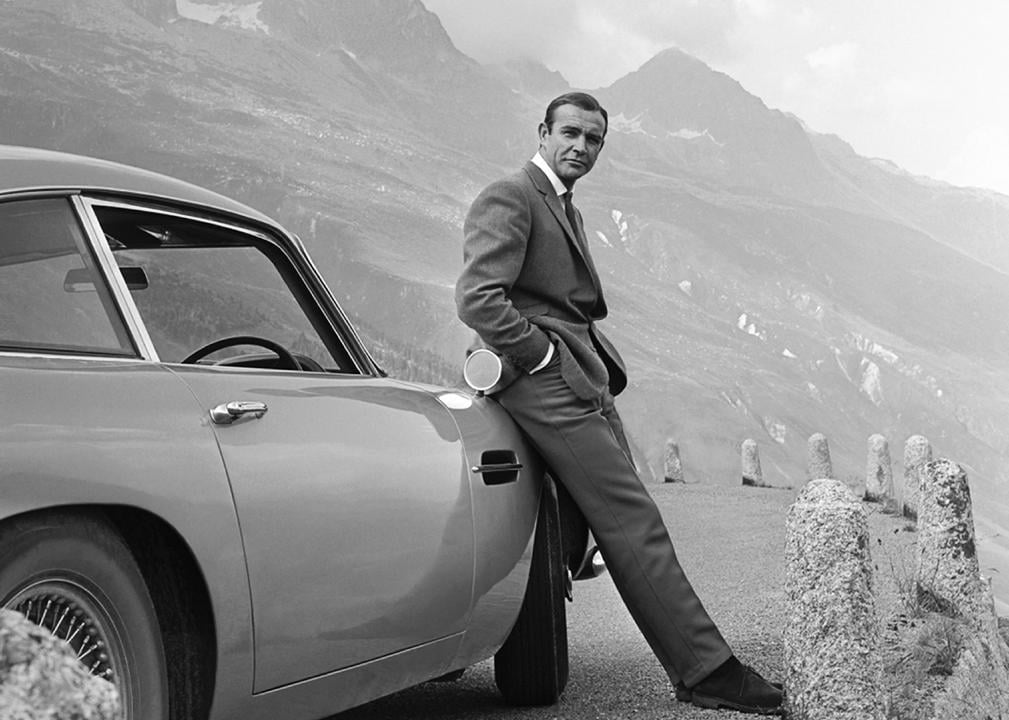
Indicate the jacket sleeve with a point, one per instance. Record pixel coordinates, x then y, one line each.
496 235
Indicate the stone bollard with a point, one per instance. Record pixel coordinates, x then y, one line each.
818 458
673 467
833 667
917 454
978 688
750 458
948 573
878 471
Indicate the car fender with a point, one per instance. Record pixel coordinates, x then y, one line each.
504 514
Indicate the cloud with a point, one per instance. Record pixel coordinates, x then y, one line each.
756 8
981 159
834 60
699 27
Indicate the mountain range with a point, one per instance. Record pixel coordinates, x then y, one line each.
764 281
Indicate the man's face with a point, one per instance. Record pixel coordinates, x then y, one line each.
572 145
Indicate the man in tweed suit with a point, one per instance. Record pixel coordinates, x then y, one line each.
530 290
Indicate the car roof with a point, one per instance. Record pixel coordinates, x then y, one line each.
28 169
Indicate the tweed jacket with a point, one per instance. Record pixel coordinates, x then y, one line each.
528 280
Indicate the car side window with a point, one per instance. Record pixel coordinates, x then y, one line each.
197 283
53 297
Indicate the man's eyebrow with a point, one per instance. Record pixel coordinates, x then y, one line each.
577 127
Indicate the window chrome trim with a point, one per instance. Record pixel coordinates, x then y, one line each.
120 293
338 309
70 356
313 285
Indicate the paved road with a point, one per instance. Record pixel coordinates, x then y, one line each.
731 543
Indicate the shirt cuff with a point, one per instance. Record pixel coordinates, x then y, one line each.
545 361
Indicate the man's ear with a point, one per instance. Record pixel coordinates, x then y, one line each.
543 130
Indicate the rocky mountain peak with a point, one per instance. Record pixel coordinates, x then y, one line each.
677 89
730 132
672 58
532 77
397 35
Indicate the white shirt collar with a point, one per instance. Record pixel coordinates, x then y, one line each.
542 164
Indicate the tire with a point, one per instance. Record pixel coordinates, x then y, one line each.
81 565
531 668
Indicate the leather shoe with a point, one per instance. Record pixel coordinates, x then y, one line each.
684 694
734 686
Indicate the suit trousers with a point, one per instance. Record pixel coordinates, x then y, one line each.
583 443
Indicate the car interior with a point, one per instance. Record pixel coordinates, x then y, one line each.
216 294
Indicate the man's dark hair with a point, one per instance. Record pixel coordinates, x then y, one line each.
580 100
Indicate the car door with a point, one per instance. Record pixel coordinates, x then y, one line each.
350 489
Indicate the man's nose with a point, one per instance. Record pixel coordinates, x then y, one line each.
579 143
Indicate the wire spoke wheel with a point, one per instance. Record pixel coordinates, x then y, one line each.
75 577
64 607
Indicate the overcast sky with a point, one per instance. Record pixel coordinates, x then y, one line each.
919 82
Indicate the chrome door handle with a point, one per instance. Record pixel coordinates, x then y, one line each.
227 413
496 467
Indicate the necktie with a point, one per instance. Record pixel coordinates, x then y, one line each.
569 210
580 242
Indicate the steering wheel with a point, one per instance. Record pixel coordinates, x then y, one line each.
287 360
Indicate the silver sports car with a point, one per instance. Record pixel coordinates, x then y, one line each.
210 490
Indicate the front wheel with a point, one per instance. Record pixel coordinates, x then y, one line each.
76 577
531 668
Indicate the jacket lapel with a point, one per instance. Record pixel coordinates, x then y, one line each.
542 184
